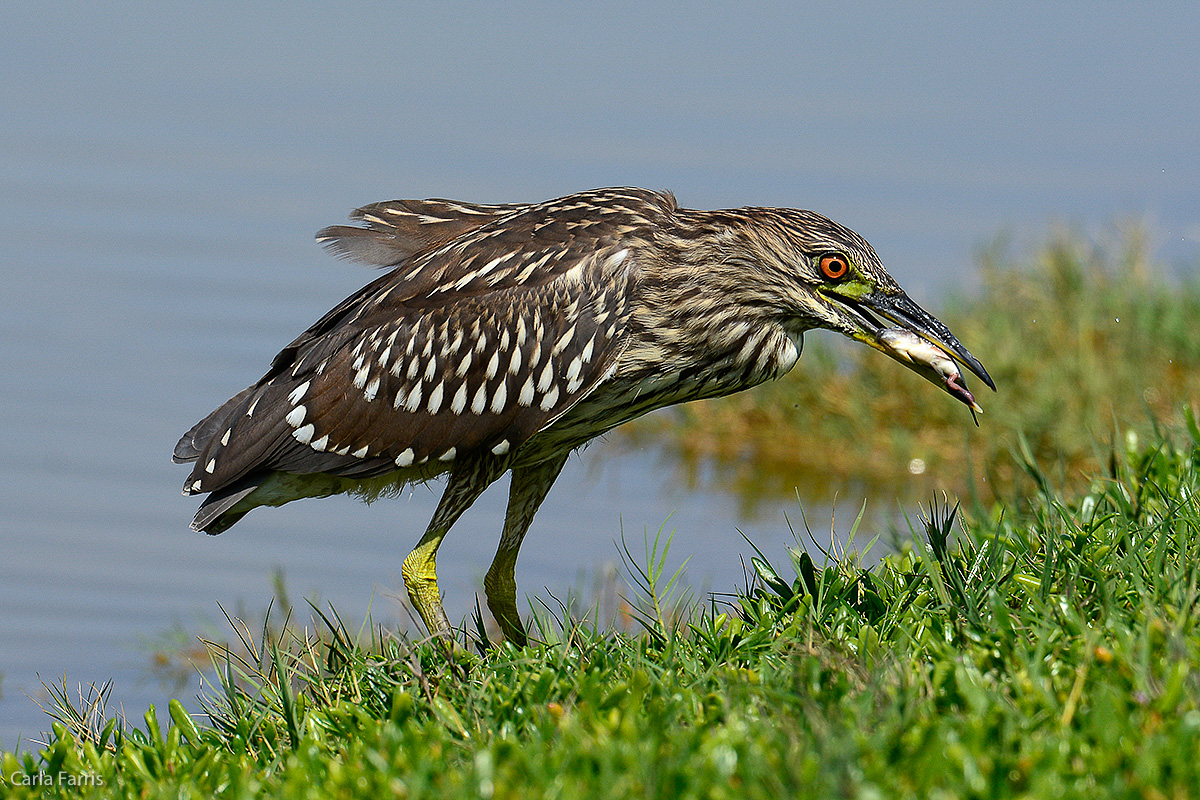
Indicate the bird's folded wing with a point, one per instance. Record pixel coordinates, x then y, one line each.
387 380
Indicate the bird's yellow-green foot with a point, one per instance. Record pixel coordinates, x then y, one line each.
420 579
500 586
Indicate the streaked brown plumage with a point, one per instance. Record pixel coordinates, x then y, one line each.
505 336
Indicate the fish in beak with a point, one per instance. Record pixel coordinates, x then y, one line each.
902 330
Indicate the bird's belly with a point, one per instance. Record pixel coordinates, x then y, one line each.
280 488
615 403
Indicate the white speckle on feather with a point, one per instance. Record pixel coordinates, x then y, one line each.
435 398
460 399
414 398
295 417
448 455
320 444
526 397
405 459
491 265
500 398
574 274
549 399
480 402
298 393
563 341
614 261
524 274
371 390
304 434
360 452
501 447
546 377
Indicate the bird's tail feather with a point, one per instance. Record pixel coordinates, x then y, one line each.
214 515
192 443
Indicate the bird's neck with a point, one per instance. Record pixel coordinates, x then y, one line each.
692 322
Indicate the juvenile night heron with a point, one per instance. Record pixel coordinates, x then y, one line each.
505 336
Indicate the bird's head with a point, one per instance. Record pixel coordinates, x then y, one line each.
824 275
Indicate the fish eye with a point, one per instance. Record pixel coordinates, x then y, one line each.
834 266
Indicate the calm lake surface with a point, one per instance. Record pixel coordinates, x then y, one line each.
162 173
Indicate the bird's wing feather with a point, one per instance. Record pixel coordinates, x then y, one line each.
397 229
481 342
192 443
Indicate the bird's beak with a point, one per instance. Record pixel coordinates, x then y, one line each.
901 329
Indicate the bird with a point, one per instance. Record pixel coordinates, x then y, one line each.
503 337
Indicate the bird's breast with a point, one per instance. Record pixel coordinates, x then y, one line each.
648 377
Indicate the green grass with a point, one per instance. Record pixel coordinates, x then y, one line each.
1041 648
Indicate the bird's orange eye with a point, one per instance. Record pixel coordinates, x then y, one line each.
834 266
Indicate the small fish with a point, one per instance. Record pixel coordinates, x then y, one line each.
933 363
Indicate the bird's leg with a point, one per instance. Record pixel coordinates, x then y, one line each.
468 479
528 490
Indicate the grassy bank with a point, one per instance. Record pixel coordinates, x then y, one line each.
1081 339
1046 648
1041 643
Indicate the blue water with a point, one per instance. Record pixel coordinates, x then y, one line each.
162 171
